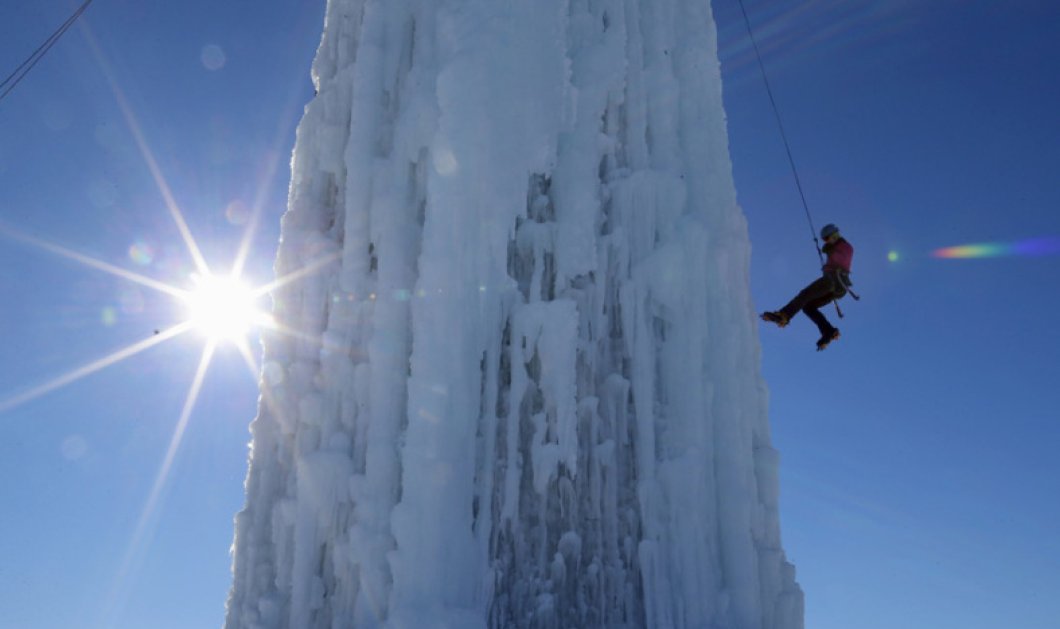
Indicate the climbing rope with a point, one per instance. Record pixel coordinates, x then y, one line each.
23 69
783 134
784 138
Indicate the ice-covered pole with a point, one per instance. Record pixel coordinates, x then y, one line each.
527 394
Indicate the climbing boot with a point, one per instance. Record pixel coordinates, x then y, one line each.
777 317
827 338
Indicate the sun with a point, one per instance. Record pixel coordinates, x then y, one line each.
222 308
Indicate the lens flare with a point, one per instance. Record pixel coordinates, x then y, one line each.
984 250
213 57
1030 247
141 253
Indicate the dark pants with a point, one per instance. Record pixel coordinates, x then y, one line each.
818 294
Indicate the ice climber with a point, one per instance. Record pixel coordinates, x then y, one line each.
830 286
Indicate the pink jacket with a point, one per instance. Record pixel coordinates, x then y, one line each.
839 256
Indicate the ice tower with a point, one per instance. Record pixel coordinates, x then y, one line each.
516 383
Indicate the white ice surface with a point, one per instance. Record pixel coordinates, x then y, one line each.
517 383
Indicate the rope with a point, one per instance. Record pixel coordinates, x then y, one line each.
783 134
787 146
24 68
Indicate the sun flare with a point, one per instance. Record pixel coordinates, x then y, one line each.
222 308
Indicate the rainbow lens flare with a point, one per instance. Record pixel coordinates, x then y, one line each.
1026 248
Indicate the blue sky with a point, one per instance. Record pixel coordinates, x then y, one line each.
216 90
918 472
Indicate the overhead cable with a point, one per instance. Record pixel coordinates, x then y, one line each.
23 69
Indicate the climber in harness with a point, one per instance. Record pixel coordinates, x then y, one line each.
833 284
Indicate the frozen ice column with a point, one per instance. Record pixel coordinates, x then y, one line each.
516 383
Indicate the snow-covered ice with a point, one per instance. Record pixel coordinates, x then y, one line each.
521 386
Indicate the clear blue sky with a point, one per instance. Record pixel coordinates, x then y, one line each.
216 88
919 475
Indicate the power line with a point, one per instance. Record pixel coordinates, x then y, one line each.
23 69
